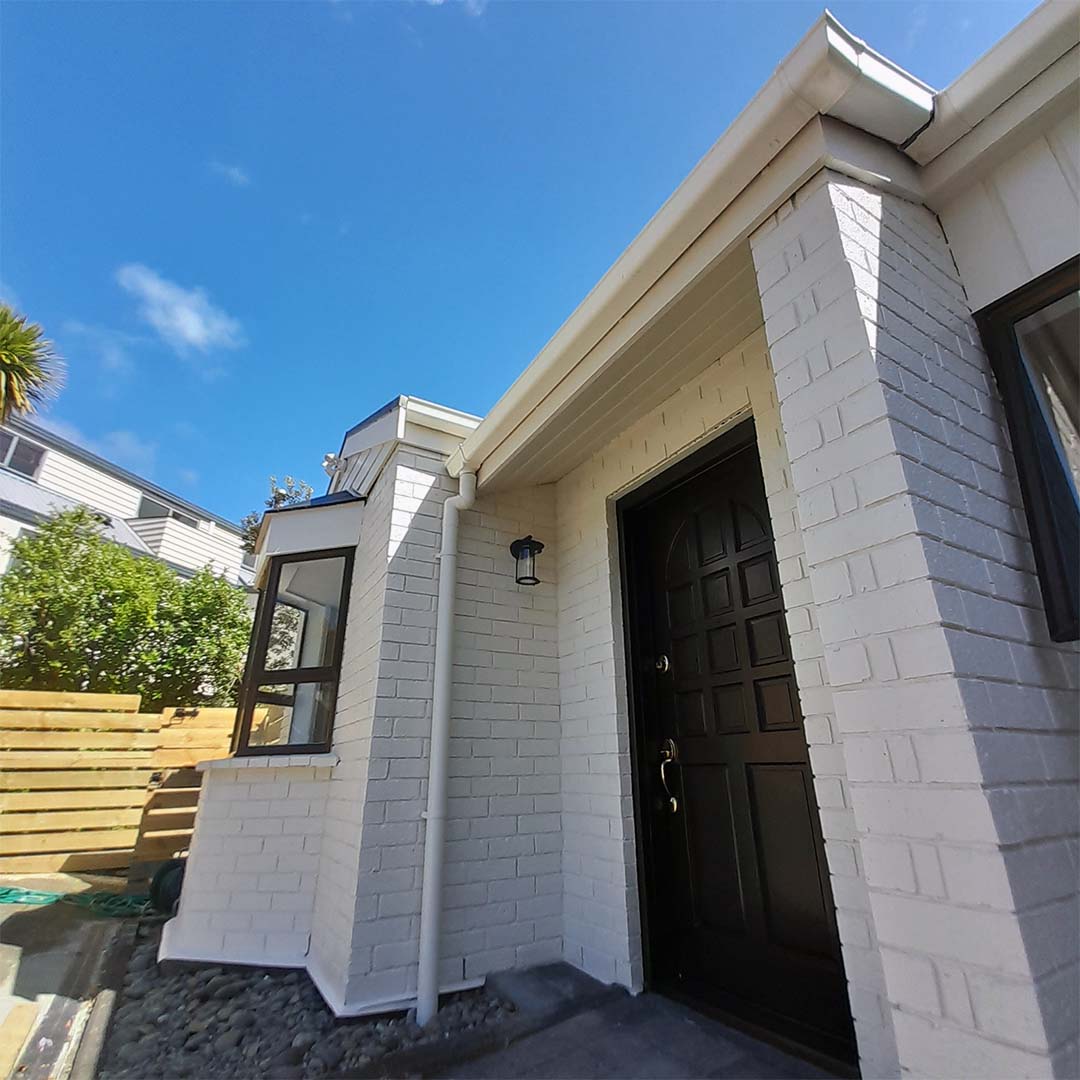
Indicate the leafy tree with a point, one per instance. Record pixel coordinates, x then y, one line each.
294 491
30 371
79 612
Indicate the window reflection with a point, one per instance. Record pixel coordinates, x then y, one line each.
290 688
292 715
304 623
1049 343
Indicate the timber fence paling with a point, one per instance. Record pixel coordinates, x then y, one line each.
186 737
87 782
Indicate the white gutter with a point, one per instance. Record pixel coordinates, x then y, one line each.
427 1003
1024 53
829 72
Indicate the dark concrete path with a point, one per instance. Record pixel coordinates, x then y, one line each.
647 1037
50 961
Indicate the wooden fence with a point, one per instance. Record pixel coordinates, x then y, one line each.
87 782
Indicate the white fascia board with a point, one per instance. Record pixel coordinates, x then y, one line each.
830 72
406 422
1046 35
1033 109
823 143
440 417
384 428
308 528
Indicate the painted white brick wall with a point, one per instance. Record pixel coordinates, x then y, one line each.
957 714
249 888
339 866
502 900
601 917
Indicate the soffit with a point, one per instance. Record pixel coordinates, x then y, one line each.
588 409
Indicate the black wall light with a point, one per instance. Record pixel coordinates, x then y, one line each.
525 551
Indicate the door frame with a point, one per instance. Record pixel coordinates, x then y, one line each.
636 633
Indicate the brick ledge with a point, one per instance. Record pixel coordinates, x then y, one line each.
272 761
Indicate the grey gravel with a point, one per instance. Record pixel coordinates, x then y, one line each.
254 1022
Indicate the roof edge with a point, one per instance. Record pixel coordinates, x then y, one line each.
829 72
1046 35
20 425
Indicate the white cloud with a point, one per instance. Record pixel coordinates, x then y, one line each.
471 7
919 20
231 174
184 319
121 447
128 449
63 429
184 429
188 477
112 346
341 11
9 296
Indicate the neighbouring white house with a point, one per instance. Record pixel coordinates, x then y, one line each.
774 706
41 473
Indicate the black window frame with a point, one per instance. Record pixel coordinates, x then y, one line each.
1046 486
170 512
256 673
12 448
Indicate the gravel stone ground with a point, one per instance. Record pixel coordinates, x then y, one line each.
257 1022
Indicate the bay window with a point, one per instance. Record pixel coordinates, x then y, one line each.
290 687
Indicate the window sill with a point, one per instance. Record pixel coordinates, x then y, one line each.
272 761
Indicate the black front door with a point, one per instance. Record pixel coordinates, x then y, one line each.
739 910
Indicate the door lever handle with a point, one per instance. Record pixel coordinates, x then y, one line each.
669 755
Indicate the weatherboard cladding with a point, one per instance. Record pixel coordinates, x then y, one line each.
125 508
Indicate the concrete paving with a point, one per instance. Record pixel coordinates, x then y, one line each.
50 957
647 1037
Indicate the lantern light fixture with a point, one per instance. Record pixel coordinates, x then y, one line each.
524 552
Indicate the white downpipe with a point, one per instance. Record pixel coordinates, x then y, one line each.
427 999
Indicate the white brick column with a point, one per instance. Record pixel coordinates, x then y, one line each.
502 896
956 713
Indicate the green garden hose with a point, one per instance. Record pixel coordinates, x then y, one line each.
115 905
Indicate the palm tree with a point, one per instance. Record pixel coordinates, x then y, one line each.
30 370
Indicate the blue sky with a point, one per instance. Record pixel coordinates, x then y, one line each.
249 225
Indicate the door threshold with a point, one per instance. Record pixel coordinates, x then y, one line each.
838 1067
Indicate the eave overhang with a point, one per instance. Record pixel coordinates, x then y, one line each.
1031 48
830 73
328 522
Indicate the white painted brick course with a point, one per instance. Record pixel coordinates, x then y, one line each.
934 640
247 897
602 931
940 719
504 776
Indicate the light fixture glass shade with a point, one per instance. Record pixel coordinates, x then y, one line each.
524 552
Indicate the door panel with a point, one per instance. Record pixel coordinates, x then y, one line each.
740 910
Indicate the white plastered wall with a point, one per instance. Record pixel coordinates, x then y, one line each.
601 916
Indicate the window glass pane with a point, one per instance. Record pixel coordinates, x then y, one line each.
25 457
6 439
1049 342
151 508
293 715
304 623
